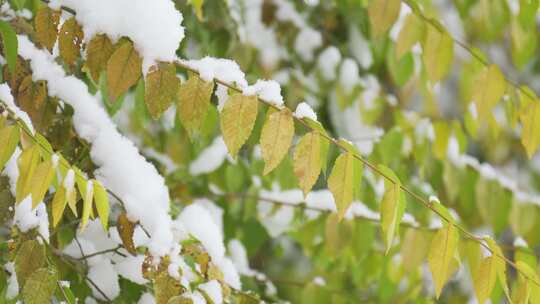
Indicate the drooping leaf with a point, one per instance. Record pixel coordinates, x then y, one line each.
484 279
442 256
123 70
307 160
98 52
27 163
194 98
499 265
276 137
382 14
30 257
58 205
46 24
161 88
488 89
41 181
87 203
442 135
10 45
165 287
126 229
392 207
102 204
40 286
437 54
237 120
411 33
530 134
9 137
341 182
69 40
414 249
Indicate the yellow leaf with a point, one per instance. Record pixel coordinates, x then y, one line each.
40 286
530 134
237 120
489 87
414 248
276 137
29 257
161 88
123 70
442 135
41 181
307 160
166 288
437 53
87 203
126 229
392 207
341 182
58 205
98 52
194 98
102 204
484 279
382 14
27 163
499 264
9 137
410 34
441 258
69 40
46 24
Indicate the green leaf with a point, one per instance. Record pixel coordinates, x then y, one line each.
438 51
341 182
9 137
442 256
442 135
198 7
382 14
46 24
123 70
40 286
10 45
307 160
276 138
392 206
30 257
102 204
237 120
489 87
530 134
411 33
161 88
194 99
499 264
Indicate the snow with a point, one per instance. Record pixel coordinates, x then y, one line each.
398 25
147 298
307 40
11 170
472 110
210 158
359 47
27 218
121 168
319 281
196 297
268 90
239 258
328 61
130 268
348 75
13 285
155 27
304 110
213 291
211 68
105 277
7 99
520 242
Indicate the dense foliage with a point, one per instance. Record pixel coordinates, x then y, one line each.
239 151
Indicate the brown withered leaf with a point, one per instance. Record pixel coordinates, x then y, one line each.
98 52
22 70
161 88
69 40
123 70
46 24
126 229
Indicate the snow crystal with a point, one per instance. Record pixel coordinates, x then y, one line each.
328 61
27 218
213 291
305 110
7 98
121 168
210 158
211 68
269 90
147 298
155 27
307 40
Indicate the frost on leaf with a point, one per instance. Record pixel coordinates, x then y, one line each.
237 120
276 137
